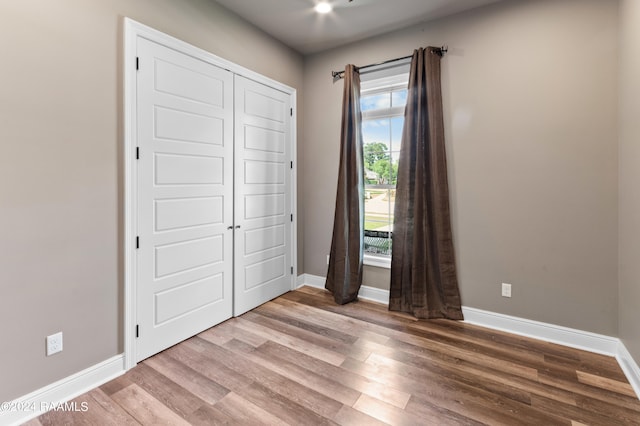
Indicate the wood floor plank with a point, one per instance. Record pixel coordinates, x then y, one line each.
111 411
497 337
427 410
461 379
245 412
470 343
277 312
32 422
615 412
319 340
296 393
301 359
330 388
198 384
330 319
348 416
580 390
54 418
116 384
208 415
214 370
292 342
94 407
146 409
457 397
504 349
226 331
571 412
609 368
388 413
442 359
165 390
381 389
605 383
292 412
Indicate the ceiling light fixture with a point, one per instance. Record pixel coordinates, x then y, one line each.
323 7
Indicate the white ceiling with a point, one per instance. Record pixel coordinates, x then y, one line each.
296 24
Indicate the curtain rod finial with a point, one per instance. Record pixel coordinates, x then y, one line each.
440 51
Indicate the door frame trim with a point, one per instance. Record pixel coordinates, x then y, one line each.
133 30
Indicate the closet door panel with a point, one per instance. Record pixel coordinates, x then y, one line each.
262 253
185 197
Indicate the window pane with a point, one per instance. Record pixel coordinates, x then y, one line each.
396 133
395 158
378 221
376 149
376 131
399 98
372 102
376 209
383 168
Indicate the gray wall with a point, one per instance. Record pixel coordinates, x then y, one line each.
530 97
629 246
60 198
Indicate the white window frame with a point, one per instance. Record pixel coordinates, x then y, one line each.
383 80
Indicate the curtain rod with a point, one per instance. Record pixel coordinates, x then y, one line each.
339 74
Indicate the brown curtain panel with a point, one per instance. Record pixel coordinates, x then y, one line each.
423 269
344 276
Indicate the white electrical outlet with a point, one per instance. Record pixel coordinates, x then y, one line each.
54 343
506 290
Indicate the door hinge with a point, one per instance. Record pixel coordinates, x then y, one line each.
292 112
137 152
291 217
137 330
292 164
137 63
292 270
137 242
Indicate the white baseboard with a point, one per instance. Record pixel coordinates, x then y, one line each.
38 402
366 293
374 294
630 367
579 339
311 280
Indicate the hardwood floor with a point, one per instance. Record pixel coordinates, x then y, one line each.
302 360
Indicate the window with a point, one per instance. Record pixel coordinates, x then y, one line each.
382 102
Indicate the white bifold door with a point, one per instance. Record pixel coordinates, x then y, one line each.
263 267
214 183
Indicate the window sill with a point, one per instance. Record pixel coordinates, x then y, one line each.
377 261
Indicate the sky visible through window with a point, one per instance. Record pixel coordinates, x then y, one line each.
380 130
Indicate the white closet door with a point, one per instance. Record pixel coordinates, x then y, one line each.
185 197
262 253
